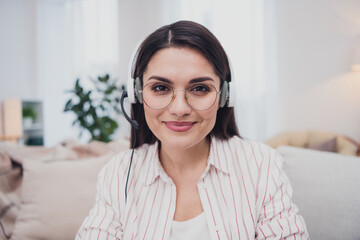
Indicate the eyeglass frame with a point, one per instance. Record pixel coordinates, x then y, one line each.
173 97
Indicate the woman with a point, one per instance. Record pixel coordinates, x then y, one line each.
193 177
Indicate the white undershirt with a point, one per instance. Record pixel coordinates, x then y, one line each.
192 229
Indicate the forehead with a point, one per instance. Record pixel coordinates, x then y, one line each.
179 64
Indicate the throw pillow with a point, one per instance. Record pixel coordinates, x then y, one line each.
347 146
56 197
328 146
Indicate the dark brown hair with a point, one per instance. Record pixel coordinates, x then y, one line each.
195 36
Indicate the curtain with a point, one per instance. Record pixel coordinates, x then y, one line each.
77 38
245 28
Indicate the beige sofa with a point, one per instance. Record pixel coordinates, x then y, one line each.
45 193
326 190
56 189
316 140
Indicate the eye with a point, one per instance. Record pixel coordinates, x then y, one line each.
200 88
160 88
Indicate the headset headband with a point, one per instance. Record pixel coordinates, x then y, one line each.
231 92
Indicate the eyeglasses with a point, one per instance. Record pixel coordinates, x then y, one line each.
159 95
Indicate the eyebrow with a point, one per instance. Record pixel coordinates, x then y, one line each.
192 81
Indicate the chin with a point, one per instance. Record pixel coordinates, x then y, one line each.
181 142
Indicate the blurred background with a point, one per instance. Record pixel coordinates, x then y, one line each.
294 61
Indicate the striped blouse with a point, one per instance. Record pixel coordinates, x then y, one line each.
243 191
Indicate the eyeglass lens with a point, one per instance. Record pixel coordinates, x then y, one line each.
199 96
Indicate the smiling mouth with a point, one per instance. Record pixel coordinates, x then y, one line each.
179 126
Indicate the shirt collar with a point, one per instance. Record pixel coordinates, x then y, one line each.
156 169
216 159
217 156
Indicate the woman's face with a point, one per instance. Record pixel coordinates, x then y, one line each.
179 126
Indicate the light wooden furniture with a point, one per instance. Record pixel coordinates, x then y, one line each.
14 129
11 120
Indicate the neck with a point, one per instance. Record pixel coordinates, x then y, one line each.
182 161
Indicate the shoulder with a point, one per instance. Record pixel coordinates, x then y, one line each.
120 162
249 151
239 144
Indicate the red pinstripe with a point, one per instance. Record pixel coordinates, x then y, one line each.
271 230
132 236
152 207
262 232
267 181
247 197
107 230
273 206
275 163
106 170
118 193
232 192
217 200
282 202
301 235
218 159
261 152
236 218
282 230
132 202
97 214
288 225
222 192
239 185
135 165
257 165
167 215
212 213
218 175
142 211
247 165
103 217
264 211
158 215
99 234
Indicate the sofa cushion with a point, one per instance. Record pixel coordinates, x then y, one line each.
56 197
326 190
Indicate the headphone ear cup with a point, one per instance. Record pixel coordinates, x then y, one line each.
138 90
224 93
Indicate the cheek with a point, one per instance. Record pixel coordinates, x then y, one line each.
209 116
149 115
151 118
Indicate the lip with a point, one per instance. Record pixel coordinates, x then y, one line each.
179 126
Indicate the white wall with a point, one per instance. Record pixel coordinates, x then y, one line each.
18 77
137 19
54 69
315 44
315 39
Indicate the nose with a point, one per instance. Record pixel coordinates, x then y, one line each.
179 105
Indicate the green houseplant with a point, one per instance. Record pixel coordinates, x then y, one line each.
29 112
28 116
94 108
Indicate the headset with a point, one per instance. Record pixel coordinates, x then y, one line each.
134 85
134 93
